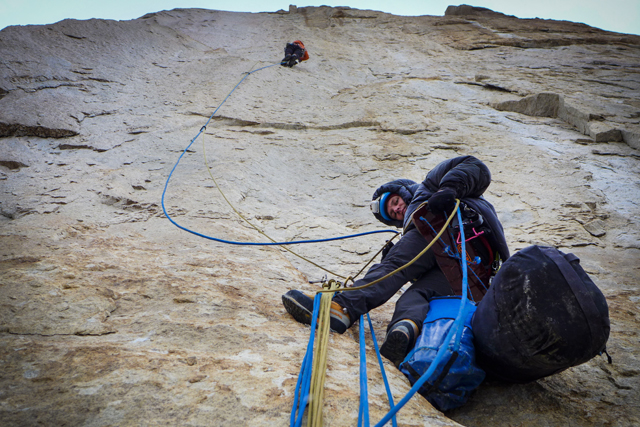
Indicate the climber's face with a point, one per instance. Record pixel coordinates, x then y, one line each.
396 207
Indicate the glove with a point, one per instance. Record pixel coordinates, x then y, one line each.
444 200
386 250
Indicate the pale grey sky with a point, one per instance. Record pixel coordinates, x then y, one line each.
622 16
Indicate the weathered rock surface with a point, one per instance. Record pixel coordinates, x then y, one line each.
113 316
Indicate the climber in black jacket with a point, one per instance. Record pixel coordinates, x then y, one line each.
465 178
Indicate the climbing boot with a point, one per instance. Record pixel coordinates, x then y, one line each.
285 61
399 341
300 306
293 60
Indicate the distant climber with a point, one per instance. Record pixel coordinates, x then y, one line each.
294 53
465 178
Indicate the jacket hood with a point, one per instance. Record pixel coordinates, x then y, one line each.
405 188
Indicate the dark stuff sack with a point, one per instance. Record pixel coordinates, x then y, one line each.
541 315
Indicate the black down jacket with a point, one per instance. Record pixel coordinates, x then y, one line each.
467 175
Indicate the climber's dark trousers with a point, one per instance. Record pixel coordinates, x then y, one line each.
427 279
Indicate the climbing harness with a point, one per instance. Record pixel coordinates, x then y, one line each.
480 257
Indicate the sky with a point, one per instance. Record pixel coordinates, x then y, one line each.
621 16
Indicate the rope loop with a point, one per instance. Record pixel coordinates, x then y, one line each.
282 244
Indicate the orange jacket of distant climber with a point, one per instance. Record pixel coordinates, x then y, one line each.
305 54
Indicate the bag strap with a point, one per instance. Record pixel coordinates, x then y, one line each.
584 299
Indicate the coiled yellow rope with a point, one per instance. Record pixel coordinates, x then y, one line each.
319 370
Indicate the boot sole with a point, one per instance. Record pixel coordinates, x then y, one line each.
395 347
303 315
297 310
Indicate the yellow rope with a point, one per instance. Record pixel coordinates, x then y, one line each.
204 151
319 370
348 278
318 376
252 225
371 260
444 227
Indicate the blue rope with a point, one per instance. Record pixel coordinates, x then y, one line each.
435 233
232 242
363 415
465 284
301 396
382 370
453 336
456 329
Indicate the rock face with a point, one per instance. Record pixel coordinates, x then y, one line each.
111 315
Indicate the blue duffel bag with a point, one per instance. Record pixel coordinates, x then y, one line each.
457 373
